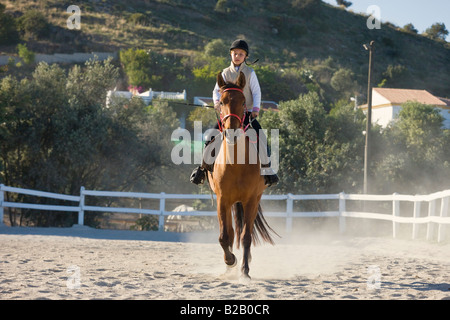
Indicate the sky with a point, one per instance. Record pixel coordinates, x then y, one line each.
421 13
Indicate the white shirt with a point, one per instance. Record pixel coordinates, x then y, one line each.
254 88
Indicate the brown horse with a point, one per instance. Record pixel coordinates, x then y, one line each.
237 184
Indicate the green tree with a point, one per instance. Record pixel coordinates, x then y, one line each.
343 81
315 156
437 31
414 157
207 117
410 28
217 48
420 124
205 75
57 135
150 69
136 64
344 3
8 28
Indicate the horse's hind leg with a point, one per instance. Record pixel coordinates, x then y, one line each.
226 237
246 243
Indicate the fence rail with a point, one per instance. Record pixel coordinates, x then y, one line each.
437 214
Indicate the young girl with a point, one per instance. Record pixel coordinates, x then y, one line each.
252 92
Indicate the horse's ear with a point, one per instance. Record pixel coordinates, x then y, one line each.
241 80
220 81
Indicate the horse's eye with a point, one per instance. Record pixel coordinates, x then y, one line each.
221 103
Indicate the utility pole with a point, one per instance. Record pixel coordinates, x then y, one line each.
370 48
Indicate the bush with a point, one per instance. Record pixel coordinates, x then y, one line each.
34 24
8 28
228 6
217 48
395 77
343 81
26 55
409 28
146 223
139 18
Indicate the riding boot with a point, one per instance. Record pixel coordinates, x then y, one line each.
198 175
270 177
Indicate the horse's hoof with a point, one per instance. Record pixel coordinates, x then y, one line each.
233 264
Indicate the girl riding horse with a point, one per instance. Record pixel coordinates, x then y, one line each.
252 93
237 185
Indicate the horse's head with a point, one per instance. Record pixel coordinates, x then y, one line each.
232 102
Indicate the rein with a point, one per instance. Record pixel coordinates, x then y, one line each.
241 120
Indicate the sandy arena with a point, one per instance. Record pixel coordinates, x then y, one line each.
84 263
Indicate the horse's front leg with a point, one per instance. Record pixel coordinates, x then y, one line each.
250 212
226 237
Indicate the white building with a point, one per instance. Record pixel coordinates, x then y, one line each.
386 104
146 96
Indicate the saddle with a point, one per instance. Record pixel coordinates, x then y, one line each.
213 146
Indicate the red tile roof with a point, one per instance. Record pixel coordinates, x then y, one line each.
400 96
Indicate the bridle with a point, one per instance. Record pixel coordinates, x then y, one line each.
241 120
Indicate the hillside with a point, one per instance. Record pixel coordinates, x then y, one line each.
284 34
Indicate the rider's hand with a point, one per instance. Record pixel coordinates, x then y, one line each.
255 114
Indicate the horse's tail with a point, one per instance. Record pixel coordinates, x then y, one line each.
260 228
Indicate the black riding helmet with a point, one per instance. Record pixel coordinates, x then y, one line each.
239 44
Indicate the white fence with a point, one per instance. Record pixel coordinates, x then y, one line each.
437 213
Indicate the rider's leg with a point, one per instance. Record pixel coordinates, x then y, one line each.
270 176
199 174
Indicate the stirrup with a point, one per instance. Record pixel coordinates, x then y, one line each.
271 180
270 177
198 176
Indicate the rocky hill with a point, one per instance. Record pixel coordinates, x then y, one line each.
280 33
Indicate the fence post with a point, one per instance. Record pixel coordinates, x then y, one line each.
431 213
342 209
81 210
289 209
444 213
162 208
395 213
415 232
2 198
